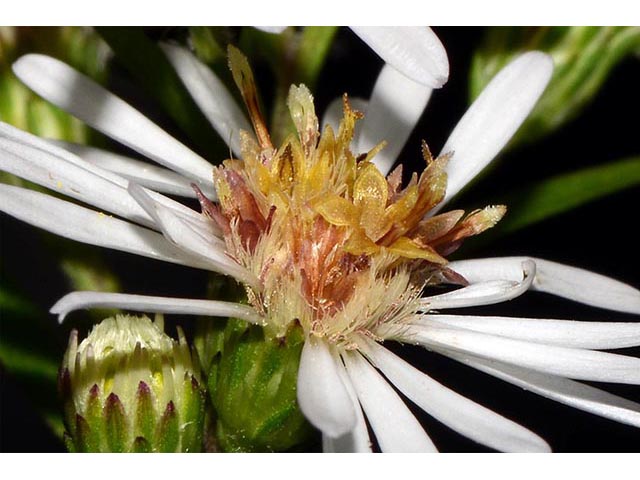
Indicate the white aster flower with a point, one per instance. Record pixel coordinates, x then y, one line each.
320 237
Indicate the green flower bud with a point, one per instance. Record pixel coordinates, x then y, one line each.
252 384
129 387
583 58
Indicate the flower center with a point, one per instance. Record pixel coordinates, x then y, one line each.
336 246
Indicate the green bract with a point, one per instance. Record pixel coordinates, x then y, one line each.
252 384
129 387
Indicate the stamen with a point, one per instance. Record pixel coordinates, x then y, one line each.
337 246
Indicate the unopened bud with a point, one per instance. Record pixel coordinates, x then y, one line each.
129 387
252 385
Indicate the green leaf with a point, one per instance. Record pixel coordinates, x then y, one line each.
151 69
553 196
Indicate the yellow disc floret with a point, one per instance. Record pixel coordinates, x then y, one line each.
336 246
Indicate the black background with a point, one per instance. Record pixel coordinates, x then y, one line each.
601 237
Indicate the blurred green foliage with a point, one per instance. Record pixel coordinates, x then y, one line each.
583 59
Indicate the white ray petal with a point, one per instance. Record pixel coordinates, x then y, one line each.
82 97
211 95
564 333
474 295
396 429
205 228
142 303
485 269
586 287
483 293
46 164
71 179
493 118
270 29
557 279
51 162
356 440
189 239
88 226
457 412
573 363
414 51
322 394
563 390
395 106
151 176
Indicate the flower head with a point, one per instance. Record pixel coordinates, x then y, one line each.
335 245
130 387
